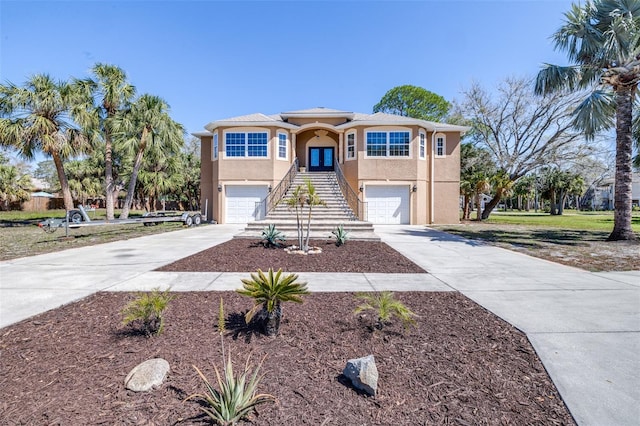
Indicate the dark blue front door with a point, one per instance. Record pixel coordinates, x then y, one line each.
320 159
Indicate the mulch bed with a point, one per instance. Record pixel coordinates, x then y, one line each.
246 255
460 365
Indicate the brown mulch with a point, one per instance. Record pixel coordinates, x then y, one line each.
460 364
243 255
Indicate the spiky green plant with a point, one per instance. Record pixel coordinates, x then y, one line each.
221 321
147 309
236 396
341 235
386 307
268 292
271 237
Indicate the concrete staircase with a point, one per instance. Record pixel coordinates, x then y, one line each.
324 219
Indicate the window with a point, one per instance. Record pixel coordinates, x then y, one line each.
440 146
423 145
351 146
282 146
214 153
388 144
246 144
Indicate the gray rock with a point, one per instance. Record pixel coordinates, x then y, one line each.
363 374
147 375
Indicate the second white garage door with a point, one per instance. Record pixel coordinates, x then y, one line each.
387 204
241 203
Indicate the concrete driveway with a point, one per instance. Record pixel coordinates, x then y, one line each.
584 326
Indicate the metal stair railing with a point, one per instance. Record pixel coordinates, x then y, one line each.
277 193
358 206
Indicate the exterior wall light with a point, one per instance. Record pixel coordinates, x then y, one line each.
361 188
219 187
414 188
270 188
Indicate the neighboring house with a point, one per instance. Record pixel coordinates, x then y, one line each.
406 170
603 196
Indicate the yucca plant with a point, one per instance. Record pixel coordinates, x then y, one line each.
147 309
341 235
386 307
236 396
268 292
271 237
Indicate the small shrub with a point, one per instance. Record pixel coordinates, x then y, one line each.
147 310
268 292
237 395
271 237
341 235
386 307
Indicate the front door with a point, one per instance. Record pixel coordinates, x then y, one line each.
320 159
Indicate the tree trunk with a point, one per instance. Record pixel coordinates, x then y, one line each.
624 146
108 175
488 208
64 183
134 176
553 203
466 209
478 208
272 320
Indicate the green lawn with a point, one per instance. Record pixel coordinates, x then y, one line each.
571 219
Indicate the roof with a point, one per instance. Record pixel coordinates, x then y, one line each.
353 120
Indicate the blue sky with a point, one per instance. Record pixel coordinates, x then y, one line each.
211 60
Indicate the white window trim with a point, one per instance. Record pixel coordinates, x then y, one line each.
444 146
286 145
214 146
387 130
245 130
422 145
355 146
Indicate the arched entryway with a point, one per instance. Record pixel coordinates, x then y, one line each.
317 149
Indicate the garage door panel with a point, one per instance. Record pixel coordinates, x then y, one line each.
388 204
241 203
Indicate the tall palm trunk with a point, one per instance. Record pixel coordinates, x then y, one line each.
64 183
622 202
108 176
134 175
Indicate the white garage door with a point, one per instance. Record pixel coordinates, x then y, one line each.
241 203
387 204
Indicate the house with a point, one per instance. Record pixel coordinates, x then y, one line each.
406 170
602 196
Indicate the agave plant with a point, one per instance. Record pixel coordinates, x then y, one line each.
237 396
148 309
386 307
269 291
341 235
271 237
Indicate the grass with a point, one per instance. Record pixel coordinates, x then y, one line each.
571 219
22 237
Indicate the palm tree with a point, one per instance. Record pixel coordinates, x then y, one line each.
501 183
111 93
312 200
602 39
296 201
268 292
14 185
37 118
146 124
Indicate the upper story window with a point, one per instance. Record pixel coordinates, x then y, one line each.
441 146
249 144
214 150
423 145
282 146
351 146
388 144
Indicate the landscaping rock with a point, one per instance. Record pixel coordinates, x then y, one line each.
363 374
147 375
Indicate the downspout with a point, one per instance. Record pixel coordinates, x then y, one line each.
432 184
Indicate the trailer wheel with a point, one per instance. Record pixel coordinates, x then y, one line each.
197 220
188 221
75 216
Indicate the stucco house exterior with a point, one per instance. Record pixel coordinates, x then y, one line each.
406 170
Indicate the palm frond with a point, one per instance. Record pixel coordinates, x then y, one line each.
595 113
553 78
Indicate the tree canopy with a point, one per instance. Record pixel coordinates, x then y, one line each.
415 102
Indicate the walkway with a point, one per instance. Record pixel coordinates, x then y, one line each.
584 326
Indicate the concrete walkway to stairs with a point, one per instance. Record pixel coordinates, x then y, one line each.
584 326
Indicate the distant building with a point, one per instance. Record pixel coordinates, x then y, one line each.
602 196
